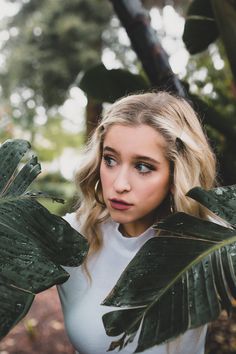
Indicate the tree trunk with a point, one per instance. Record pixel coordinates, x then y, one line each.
146 44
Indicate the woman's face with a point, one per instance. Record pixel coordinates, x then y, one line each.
135 175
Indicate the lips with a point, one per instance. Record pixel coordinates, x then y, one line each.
119 204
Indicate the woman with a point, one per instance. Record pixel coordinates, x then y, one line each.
147 152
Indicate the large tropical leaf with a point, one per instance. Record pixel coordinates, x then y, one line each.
200 26
179 280
34 243
109 85
221 201
15 303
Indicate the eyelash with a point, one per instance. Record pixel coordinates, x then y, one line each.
146 165
107 159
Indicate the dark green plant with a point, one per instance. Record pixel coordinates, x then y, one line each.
115 83
179 280
200 26
34 243
206 21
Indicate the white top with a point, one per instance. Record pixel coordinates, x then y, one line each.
81 300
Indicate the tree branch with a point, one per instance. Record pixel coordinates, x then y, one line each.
146 44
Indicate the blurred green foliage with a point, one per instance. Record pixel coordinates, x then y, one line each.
55 41
209 76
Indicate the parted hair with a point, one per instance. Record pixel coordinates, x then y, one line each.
191 158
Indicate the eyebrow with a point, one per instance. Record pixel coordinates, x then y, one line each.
136 157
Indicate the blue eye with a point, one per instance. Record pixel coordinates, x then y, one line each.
109 161
144 168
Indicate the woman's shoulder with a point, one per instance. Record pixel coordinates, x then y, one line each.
74 220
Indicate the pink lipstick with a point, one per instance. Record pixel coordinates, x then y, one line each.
119 204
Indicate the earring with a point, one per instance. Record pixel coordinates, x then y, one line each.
172 204
96 194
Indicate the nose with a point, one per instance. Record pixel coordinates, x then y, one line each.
122 181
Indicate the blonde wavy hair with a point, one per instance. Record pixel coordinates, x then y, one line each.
191 158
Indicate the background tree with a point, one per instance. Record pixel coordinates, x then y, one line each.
54 41
50 43
156 67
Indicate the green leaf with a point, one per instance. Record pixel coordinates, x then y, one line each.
34 242
24 178
15 304
179 280
10 156
109 85
221 201
200 26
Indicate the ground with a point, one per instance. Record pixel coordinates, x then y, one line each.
42 331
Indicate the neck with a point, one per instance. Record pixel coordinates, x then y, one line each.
130 231
137 227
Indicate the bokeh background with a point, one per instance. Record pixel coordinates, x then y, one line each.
62 62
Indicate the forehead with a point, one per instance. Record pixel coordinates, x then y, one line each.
139 139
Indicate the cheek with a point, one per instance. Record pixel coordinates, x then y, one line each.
156 190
